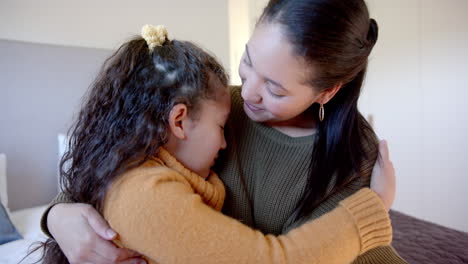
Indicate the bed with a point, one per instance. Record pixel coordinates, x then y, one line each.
417 241
26 222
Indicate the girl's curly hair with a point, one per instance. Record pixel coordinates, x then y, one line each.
124 118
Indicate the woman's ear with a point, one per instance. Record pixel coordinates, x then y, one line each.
177 118
328 94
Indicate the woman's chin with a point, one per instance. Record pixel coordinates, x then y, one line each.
256 117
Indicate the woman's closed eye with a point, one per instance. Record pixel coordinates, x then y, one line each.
246 61
270 88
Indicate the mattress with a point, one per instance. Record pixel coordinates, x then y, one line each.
27 223
422 242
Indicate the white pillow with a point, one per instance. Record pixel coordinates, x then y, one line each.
3 181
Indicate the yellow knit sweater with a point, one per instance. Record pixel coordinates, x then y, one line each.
171 215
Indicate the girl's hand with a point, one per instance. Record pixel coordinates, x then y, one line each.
85 237
383 176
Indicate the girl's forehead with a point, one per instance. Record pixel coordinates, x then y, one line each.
217 110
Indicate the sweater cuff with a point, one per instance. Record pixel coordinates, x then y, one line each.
371 219
60 198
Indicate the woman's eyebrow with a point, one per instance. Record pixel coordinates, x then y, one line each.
266 78
248 54
277 84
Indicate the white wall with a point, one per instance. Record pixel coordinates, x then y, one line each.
239 34
416 88
243 15
106 24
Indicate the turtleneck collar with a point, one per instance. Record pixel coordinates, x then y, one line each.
210 189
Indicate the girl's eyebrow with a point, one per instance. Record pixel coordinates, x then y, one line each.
266 78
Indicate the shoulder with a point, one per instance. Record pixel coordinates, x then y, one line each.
148 187
236 100
369 144
235 89
369 141
146 178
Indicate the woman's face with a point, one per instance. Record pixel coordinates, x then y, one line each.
274 85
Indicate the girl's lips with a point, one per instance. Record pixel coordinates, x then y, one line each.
252 108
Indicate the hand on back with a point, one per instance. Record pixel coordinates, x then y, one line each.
85 237
383 176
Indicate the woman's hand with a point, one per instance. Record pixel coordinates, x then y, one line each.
383 176
85 237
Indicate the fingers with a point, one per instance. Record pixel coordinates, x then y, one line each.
97 250
129 255
383 149
98 224
385 155
107 250
133 261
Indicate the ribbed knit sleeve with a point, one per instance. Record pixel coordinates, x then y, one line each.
367 214
60 198
159 215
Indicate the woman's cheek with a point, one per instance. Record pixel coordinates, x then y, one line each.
277 109
242 71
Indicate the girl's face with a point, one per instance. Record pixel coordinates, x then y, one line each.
274 85
205 135
196 140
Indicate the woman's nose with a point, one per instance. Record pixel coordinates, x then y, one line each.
250 90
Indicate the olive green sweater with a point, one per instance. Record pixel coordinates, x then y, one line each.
265 173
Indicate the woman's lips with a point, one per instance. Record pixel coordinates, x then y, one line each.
252 108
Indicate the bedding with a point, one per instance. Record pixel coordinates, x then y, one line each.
27 224
422 242
8 231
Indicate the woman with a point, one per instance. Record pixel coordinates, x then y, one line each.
297 143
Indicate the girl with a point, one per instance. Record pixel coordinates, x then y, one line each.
141 152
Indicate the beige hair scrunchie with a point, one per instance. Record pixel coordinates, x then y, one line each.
154 35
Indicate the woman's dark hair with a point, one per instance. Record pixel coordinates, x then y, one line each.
124 118
334 38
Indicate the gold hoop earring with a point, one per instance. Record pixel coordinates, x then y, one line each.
321 113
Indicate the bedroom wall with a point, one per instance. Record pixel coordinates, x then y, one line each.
106 23
416 90
40 90
49 53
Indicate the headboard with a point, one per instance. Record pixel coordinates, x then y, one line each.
62 141
3 181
